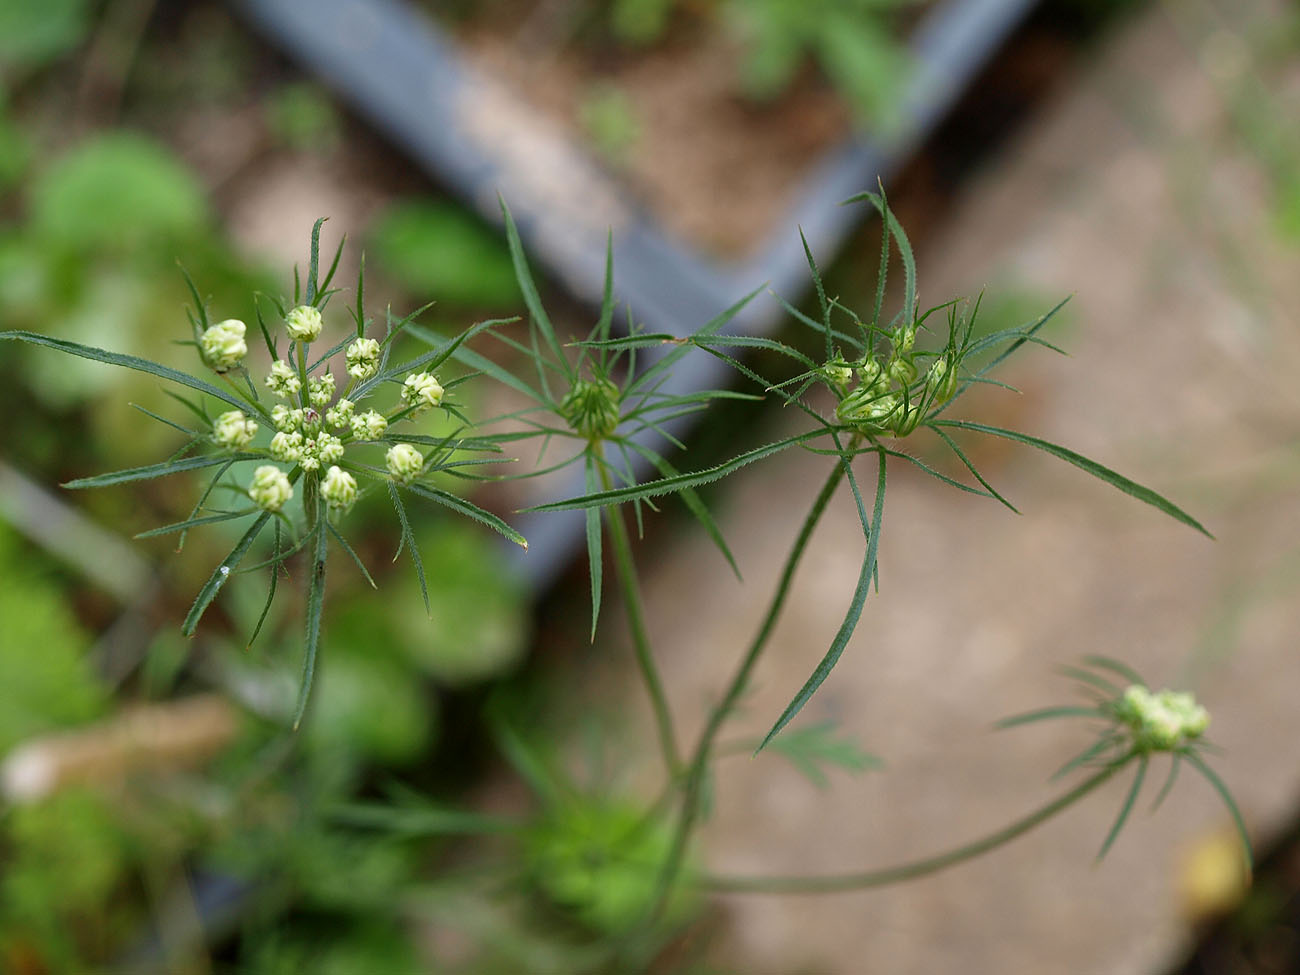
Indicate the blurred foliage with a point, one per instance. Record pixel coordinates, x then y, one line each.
302 117
43 668
440 250
610 121
34 32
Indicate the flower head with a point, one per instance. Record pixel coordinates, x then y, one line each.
421 390
320 389
338 488
304 323
270 488
404 462
286 446
369 425
339 416
283 381
223 344
591 407
1163 721
234 429
363 358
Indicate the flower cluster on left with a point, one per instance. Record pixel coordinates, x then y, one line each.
311 429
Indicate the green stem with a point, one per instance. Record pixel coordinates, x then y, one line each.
690 808
625 566
919 868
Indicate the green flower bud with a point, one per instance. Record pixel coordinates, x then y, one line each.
369 425
338 488
320 389
404 462
1164 721
838 372
591 408
284 418
904 339
339 416
421 390
283 381
223 345
270 488
868 408
329 448
941 381
363 358
304 323
902 370
234 429
286 446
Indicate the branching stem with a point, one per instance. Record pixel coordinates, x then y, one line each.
891 875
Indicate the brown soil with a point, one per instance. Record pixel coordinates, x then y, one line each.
713 167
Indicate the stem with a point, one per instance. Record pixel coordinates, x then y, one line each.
625 566
918 868
690 809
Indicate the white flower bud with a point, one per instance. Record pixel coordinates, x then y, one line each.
283 381
1163 721
339 416
304 323
422 391
363 358
338 488
404 462
286 446
234 429
285 418
270 488
310 460
329 448
369 425
223 344
320 389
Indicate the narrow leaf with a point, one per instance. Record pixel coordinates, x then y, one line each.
470 509
1099 471
1127 808
157 470
1212 777
595 559
408 541
221 574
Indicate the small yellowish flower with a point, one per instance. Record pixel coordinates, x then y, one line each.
320 389
422 391
270 488
285 418
234 429
283 381
369 425
223 344
404 462
363 358
304 323
286 446
339 416
338 488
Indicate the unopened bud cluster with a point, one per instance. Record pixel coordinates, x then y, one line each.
1163 720
312 427
890 396
591 408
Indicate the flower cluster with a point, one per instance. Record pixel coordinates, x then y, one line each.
888 397
1161 721
223 345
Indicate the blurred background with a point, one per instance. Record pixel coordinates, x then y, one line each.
1142 158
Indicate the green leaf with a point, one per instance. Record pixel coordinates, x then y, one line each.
841 640
595 559
821 294
1099 471
952 445
157 470
904 248
1175 763
1044 714
133 362
355 557
1127 808
692 501
221 574
476 362
408 541
426 819
1212 777
669 485
811 748
315 605
181 526
1115 666
532 299
648 378
433 359
470 509
270 593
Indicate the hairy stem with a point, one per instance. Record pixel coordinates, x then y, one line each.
625 567
690 808
918 868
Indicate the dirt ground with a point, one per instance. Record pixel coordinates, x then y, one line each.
1134 192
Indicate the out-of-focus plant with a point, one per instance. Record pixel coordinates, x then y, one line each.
618 870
